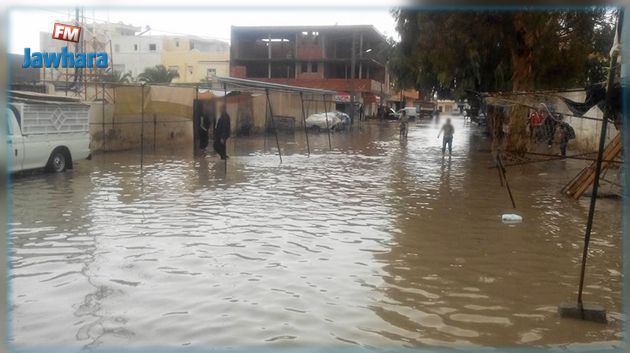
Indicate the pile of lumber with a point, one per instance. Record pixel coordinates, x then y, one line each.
584 180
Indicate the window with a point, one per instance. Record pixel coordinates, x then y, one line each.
210 73
135 47
314 67
174 68
177 43
117 48
10 122
152 47
304 67
190 70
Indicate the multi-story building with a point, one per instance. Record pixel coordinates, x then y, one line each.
347 59
196 59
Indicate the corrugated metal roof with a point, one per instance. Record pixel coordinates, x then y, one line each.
232 83
40 98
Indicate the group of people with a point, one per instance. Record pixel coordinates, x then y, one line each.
543 127
220 133
448 129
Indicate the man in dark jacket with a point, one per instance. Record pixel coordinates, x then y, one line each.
203 131
221 133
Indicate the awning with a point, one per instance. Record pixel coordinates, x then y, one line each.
235 83
342 97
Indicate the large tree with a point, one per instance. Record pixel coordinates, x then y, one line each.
450 51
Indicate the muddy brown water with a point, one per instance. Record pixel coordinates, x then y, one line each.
377 243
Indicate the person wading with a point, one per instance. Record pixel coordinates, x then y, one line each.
222 133
204 125
448 130
404 124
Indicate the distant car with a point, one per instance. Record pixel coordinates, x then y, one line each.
336 121
390 114
412 112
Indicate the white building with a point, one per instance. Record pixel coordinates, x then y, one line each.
135 53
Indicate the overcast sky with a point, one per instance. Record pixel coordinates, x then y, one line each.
25 24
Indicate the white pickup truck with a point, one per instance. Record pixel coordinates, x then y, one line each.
46 131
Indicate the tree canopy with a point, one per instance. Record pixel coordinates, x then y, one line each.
116 76
157 74
452 51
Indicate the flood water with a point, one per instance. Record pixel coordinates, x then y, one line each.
376 244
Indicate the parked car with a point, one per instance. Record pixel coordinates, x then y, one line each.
46 133
412 113
390 114
345 118
336 121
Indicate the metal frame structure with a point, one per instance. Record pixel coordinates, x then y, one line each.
252 85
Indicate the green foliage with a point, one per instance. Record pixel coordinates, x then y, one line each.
157 74
117 77
452 51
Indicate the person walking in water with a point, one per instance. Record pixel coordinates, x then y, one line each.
222 133
404 124
448 130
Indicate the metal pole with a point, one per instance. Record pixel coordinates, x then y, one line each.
196 124
141 126
353 64
308 147
225 106
327 127
273 123
266 124
598 169
500 174
103 116
154 131
507 185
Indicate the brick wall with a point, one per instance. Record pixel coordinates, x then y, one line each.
238 71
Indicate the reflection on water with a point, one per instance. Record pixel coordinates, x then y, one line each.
377 243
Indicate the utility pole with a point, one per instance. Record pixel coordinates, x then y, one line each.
353 65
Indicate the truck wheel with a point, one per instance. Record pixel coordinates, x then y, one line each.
58 162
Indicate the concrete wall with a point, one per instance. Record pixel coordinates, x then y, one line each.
587 131
124 132
247 114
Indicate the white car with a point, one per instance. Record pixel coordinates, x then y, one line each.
336 120
412 112
47 134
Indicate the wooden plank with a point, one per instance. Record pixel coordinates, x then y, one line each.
578 186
